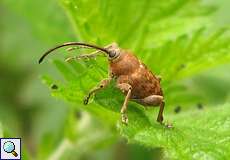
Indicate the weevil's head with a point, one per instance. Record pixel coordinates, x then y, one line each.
114 52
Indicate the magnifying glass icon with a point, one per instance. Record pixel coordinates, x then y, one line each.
9 147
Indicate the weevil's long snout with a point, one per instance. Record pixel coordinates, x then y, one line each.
73 44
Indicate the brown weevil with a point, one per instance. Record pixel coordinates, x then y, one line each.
132 77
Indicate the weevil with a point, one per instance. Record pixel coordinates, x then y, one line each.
132 77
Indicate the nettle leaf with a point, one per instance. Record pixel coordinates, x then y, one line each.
189 54
197 134
135 24
201 133
185 57
170 38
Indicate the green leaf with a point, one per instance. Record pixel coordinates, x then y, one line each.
189 55
196 134
201 133
65 70
173 39
152 23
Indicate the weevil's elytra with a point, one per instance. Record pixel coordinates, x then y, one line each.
132 77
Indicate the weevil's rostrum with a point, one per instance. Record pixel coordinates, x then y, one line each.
132 77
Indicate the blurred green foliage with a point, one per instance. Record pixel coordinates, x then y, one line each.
176 39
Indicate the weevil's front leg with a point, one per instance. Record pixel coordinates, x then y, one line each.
125 88
89 55
84 56
100 86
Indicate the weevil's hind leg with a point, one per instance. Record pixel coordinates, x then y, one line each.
160 117
154 100
89 55
100 86
126 88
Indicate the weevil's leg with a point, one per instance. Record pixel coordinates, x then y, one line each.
84 56
154 100
160 117
126 88
100 86
89 55
77 47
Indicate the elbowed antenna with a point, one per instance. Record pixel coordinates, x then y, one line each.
71 44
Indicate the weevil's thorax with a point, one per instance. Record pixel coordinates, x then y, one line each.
125 64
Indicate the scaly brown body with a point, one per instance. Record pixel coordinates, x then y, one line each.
128 69
133 78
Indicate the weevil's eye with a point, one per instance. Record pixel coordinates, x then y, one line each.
112 54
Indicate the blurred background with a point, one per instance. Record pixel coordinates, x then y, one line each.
27 109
